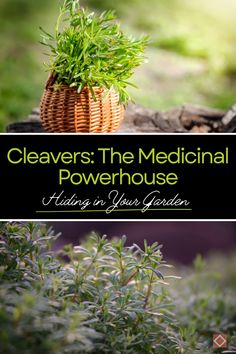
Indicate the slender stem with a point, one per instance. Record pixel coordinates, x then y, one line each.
121 270
62 11
148 291
31 239
130 278
91 264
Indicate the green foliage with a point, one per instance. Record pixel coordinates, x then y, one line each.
103 297
91 50
100 297
204 307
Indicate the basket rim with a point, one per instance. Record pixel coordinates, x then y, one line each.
51 83
85 88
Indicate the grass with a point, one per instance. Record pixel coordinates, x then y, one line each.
191 57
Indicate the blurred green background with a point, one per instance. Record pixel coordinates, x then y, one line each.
192 54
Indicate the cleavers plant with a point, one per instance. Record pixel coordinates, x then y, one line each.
104 297
99 297
91 50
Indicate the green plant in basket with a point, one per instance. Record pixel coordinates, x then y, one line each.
90 51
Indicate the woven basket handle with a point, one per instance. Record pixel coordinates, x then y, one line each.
51 80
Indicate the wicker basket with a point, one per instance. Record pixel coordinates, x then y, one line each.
63 109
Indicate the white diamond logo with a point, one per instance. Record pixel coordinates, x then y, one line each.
219 341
